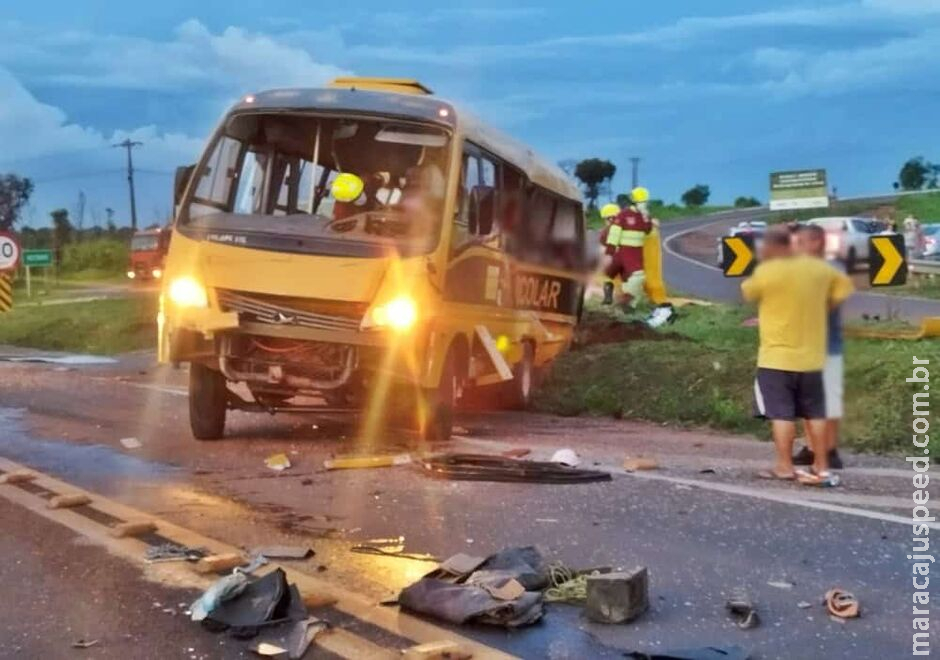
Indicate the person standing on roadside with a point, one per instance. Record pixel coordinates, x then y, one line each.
793 295
811 241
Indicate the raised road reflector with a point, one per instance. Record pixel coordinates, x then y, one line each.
6 292
37 258
737 257
888 263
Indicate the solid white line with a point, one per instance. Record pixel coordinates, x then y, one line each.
176 391
731 489
701 264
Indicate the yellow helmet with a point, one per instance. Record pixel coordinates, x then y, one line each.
610 211
347 187
640 195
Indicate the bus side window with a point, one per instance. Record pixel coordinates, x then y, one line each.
539 214
566 236
469 180
483 197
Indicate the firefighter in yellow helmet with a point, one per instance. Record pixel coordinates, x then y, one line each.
609 213
653 285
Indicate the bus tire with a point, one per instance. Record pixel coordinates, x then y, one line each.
208 402
437 422
519 389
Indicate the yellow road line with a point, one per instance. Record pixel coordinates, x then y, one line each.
177 574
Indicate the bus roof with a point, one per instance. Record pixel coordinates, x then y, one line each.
414 104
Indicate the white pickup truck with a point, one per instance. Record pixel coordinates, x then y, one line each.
847 238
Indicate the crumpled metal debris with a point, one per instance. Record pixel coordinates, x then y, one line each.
173 552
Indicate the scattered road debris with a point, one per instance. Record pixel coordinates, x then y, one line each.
470 598
637 464
220 563
268 650
261 602
131 443
284 551
366 462
703 653
617 597
741 607
519 452
172 552
394 547
223 589
780 584
436 651
302 635
481 467
84 643
566 457
567 586
277 462
841 604
804 605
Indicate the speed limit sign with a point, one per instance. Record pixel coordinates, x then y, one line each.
9 252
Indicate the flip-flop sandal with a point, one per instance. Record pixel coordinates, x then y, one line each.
842 604
824 480
770 475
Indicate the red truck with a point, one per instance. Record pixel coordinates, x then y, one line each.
148 249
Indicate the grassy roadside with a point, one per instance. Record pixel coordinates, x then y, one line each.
926 208
101 326
700 373
663 213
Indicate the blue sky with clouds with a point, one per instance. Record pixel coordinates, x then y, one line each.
717 93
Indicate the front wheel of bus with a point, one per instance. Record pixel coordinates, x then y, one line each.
437 421
208 400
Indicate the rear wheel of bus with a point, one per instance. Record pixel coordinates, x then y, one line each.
208 402
436 414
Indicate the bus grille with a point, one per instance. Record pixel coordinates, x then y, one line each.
253 308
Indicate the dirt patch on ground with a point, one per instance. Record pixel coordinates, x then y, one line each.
592 332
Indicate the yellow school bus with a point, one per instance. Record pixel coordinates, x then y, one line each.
339 248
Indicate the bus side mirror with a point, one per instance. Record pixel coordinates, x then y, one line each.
183 174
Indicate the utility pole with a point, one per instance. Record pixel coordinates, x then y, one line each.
635 163
129 145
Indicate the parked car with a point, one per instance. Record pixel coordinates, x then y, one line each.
932 239
847 239
754 228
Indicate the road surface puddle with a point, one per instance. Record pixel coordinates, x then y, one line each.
89 466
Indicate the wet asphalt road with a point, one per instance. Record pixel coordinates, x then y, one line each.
695 272
700 534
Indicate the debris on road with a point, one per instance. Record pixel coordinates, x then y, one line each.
436 651
470 598
482 467
172 552
366 462
740 606
394 547
303 634
284 551
223 589
804 605
780 584
518 452
703 653
131 443
567 586
566 457
84 643
617 597
637 464
256 603
277 462
267 650
219 563
841 604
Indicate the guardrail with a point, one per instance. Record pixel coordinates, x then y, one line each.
924 267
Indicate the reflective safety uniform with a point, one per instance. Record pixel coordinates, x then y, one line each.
625 238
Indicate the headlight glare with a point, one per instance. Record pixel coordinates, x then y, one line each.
187 292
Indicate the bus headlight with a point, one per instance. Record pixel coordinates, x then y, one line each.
157 273
187 292
399 314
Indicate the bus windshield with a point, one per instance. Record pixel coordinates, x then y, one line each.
273 174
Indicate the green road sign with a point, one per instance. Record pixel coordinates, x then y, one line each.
804 189
38 258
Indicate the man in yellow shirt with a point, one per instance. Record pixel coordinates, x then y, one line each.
793 295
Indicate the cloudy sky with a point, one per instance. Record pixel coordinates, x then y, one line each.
718 93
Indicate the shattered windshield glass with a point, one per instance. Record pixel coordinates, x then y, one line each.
374 182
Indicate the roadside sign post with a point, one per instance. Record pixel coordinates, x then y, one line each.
800 189
737 255
9 258
35 259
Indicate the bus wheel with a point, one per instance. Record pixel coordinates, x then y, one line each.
208 400
436 420
519 389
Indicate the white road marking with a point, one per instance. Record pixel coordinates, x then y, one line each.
777 496
164 389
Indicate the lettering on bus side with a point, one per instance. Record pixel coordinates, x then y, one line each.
545 293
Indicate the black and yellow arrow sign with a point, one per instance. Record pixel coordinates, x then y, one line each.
887 265
737 255
6 292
